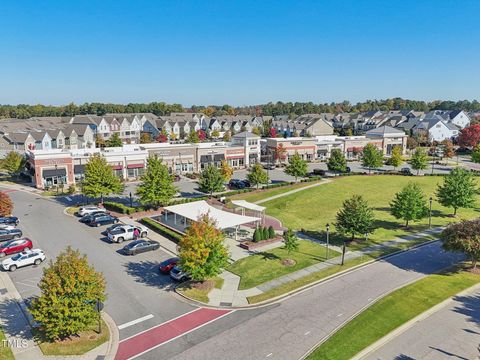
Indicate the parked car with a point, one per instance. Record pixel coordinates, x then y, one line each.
6 227
236 184
246 183
103 220
176 178
406 171
10 234
318 172
111 228
178 274
85 210
167 265
126 232
9 220
15 246
139 246
89 217
27 257
269 166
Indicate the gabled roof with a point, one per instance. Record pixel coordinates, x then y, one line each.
18 137
246 134
38 135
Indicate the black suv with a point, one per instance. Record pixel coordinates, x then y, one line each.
103 220
10 234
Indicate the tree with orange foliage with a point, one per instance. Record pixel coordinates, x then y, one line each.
6 204
202 251
280 153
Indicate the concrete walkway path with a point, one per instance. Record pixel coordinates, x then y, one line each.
326 181
230 295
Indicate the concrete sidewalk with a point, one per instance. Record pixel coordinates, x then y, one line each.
325 181
229 295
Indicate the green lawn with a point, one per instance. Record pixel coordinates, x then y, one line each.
265 266
5 351
391 312
313 208
200 291
76 345
263 194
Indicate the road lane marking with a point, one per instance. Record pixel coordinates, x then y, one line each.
268 355
339 315
134 322
159 335
68 198
308 332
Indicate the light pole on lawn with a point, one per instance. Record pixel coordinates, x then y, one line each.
430 213
131 199
343 251
328 233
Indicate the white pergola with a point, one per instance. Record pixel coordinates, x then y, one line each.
195 210
250 206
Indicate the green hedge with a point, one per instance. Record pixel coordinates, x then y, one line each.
120 208
162 230
187 200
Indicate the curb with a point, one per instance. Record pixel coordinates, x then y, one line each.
301 289
409 324
114 339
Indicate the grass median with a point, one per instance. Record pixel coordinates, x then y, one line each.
392 311
5 351
261 267
199 290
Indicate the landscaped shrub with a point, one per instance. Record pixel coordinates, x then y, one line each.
271 232
265 233
71 189
119 207
162 230
257 236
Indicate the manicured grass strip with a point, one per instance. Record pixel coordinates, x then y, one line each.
263 194
5 351
391 312
76 345
72 210
265 266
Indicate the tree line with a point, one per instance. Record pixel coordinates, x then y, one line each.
24 111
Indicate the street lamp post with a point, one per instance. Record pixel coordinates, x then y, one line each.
131 203
56 166
328 233
433 163
430 213
344 247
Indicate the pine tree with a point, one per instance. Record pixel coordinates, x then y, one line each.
458 190
290 241
99 178
297 167
70 289
396 158
337 161
355 217
201 251
211 180
115 141
271 232
419 160
257 175
409 204
156 187
265 233
372 158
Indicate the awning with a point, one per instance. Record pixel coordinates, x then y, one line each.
117 167
235 157
248 205
223 219
54 172
218 157
135 166
78 169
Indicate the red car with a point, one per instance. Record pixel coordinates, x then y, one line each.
168 265
15 246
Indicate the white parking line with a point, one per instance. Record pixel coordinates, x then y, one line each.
21 283
68 198
136 321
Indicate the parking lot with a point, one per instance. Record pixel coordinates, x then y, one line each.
138 296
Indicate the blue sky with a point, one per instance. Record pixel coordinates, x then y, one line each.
238 52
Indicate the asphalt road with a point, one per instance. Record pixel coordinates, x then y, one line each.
451 333
290 329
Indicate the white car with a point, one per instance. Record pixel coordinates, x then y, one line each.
85 210
126 232
6 227
27 257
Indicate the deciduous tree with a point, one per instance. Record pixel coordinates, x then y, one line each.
13 163
272 132
226 170
211 180
99 178
115 141
337 161
145 138
70 289
100 141
409 204
257 175
202 251
448 150
193 137
215 134
470 136
6 204
297 167
290 241
464 237
396 159
156 187
355 217
458 190
226 136
419 160
280 153
372 158
476 154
